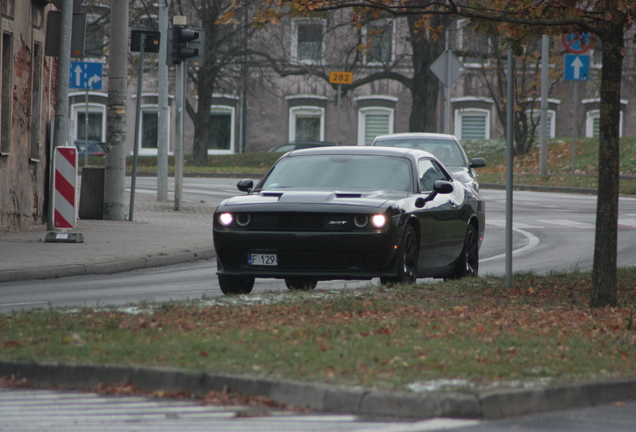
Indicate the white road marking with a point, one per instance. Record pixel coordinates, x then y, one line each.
533 241
566 223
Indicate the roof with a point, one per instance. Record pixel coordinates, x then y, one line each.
361 150
421 135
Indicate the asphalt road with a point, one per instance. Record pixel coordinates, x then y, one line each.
552 232
58 411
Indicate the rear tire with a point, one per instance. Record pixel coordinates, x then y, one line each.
236 284
407 259
300 284
468 261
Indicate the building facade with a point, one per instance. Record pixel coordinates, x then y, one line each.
283 93
27 105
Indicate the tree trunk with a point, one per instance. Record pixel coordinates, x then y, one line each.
425 85
201 130
605 249
205 80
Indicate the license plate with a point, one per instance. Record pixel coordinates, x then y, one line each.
262 259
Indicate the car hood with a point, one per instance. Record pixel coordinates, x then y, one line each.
461 173
375 199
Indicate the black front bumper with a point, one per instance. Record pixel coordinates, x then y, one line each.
321 256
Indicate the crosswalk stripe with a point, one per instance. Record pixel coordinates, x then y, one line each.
52 411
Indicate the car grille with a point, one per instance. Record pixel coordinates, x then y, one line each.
301 222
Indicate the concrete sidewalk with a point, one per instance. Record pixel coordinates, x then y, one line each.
158 236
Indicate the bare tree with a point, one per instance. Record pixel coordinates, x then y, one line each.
363 47
527 85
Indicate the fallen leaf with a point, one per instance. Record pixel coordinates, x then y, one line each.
11 344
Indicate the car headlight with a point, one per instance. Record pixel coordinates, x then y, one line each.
378 220
226 219
243 219
361 220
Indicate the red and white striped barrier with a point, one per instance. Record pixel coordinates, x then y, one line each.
65 184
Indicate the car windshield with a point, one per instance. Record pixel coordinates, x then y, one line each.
446 150
340 172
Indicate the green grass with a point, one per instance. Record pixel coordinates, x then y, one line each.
381 336
526 167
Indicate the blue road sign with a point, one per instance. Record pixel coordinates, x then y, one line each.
86 76
577 67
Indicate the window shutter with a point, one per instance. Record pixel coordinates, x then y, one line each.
473 126
375 124
537 117
596 123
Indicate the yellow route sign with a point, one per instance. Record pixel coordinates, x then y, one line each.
340 77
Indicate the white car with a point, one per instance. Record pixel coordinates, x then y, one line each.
445 147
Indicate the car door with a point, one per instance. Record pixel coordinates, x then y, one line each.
439 219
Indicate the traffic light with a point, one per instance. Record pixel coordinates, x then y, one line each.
180 38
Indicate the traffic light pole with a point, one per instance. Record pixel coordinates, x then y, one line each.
180 52
140 80
178 163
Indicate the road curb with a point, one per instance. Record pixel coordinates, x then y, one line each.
322 397
110 267
560 189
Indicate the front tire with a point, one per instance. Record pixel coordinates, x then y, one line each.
407 259
468 261
300 284
236 284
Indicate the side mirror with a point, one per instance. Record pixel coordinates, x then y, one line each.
477 163
443 187
245 185
439 187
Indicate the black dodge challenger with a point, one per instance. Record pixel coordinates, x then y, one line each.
349 213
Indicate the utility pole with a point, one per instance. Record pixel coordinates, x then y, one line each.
163 137
115 173
510 108
61 95
545 64
63 76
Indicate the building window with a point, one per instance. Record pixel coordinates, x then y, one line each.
593 123
7 85
307 41
149 126
96 122
221 135
474 45
306 124
472 124
374 121
535 115
379 38
7 8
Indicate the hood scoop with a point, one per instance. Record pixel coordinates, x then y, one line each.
348 195
272 194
